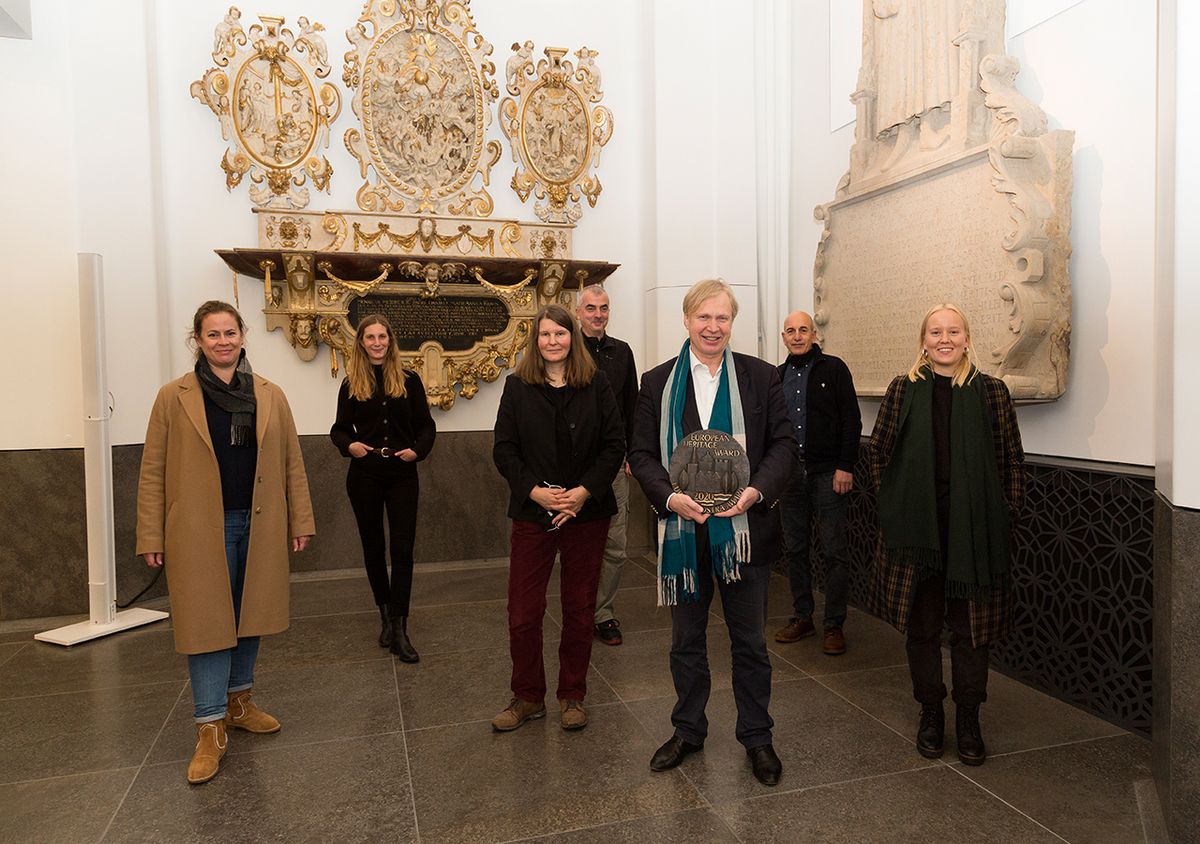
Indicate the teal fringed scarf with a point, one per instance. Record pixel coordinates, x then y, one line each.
728 538
977 558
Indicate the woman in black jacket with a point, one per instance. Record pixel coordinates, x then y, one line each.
383 423
559 444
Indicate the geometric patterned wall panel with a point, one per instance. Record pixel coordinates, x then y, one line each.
1083 573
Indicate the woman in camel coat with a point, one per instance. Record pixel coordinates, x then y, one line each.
200 474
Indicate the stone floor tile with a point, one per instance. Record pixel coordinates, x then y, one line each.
350 637
77 732
331 597
451 628
1083 791
916 807
475 785
453 688
640 667
312 702
62 809
636 609
458 586
819 738
1015 716
135 657
691 827
11 649
870 643
349 790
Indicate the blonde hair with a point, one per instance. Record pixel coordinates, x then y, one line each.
580 369
359 372
964 372
702 291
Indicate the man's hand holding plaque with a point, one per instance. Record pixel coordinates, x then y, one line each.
710 474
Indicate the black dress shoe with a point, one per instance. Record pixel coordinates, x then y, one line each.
385 635
931 730
766 765
674 751
401 646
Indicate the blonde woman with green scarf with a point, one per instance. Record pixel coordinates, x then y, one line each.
947 464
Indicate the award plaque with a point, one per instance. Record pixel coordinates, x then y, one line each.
712 468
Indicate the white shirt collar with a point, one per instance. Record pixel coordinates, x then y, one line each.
696 362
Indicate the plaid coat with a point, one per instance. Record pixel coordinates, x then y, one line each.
892 586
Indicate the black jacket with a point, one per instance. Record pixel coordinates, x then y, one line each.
523 446
616 359
397 423
834 420
770 445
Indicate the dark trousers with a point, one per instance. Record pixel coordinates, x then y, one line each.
372 492
809 494
580 548
968 664
744 603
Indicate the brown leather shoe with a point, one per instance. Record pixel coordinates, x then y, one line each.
573 715
244 715
833 643
210 747
517 713
795 630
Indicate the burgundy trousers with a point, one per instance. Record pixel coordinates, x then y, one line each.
580 547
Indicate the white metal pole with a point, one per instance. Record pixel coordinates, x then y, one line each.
98 474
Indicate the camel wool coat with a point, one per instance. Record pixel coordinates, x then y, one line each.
180 513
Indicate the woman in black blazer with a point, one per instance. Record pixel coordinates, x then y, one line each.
383 423
559 444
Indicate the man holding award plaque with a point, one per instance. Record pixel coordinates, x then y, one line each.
713 450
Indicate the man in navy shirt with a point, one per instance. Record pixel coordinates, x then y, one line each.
823 409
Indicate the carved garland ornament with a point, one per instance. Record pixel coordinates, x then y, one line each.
275 110
424 89
555 139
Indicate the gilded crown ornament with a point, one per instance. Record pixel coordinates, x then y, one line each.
556 129
275 111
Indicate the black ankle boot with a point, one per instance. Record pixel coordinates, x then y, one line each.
970 740
385 633
931 730
401 647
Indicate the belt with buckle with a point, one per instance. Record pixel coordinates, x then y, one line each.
385 452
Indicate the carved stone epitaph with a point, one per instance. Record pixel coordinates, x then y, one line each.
956 193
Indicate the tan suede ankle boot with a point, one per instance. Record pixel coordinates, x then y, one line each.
244 715
210 747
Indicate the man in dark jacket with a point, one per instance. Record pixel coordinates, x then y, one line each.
708 386
615 359
823 409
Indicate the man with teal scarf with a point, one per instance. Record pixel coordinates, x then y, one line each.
708 386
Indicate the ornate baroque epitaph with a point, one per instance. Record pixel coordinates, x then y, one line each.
956 193
267 92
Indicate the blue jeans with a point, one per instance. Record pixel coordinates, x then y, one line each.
805 494
215 674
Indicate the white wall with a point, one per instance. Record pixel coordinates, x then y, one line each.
120 160
1092 68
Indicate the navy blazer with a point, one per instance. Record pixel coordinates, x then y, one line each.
770 445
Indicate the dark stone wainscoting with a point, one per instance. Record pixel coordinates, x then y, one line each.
43 550
1084 574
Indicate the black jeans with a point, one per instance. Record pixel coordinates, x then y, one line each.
807 493
744 603
372 490
968 664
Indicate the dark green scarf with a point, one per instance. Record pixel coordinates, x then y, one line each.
977 554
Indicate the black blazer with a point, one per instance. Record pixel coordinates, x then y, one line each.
397 423
770 445
523 446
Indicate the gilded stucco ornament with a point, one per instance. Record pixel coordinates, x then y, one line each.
555 129
273 107
424 90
